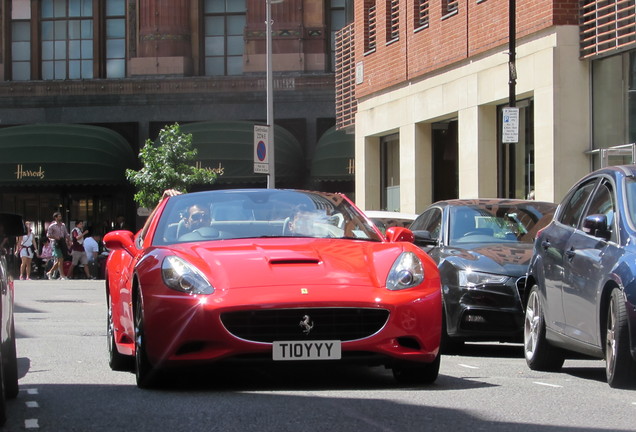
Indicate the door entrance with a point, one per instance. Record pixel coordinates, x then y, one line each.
445 165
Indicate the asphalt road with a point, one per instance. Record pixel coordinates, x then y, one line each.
66 385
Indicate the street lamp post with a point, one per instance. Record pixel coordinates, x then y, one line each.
271 177
512 97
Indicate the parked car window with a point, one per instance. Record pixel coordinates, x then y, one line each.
420 222
574 206
434 223
603 203
493 224
630 192
430 220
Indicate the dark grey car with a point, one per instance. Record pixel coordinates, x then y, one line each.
581 294
482 248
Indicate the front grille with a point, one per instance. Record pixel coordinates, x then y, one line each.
270 325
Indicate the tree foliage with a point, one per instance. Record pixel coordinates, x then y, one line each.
167 165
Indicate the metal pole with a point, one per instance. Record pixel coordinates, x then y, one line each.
271 178
512 48
512 97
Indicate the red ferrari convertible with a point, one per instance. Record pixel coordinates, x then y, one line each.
270 275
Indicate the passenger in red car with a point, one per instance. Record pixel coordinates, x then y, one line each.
302 224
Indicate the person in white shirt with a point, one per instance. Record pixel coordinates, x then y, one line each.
25 249
92 250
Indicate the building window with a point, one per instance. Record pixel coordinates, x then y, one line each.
337 20
20 40
224 36
345 77
392 20
67 39
449 7
21 50
369 25
390 172
613 109
115 38
421 14
605 26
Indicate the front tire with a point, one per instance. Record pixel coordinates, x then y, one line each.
620 368
417 373
539 354
145 373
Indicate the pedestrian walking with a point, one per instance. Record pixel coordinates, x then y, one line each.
26 249
78 253
59 237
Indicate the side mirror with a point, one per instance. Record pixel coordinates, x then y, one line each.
121 240
399 234
596 225
423 238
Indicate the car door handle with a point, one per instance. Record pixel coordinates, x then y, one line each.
570 253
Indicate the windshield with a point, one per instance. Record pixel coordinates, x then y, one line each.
233 214
498 223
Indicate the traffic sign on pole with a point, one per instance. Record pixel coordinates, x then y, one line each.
261 149
510 126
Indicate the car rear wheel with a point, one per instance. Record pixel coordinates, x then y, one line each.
620 368
145 373
116 361
417 373
540 355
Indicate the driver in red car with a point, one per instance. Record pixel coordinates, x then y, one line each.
198 217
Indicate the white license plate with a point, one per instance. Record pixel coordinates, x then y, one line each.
306 350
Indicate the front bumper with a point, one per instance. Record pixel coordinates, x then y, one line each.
183 329
491 312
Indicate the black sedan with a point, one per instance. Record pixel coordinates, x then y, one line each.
10 226
482 248
581 282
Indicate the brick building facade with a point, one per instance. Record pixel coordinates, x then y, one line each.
429 80
131 67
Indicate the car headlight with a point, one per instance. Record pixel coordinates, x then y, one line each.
180 275
470 278
407 272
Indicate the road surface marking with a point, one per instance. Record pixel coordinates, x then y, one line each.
31 424
548 385
468 366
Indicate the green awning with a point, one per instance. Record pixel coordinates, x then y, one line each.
54 154
334 157
227 148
